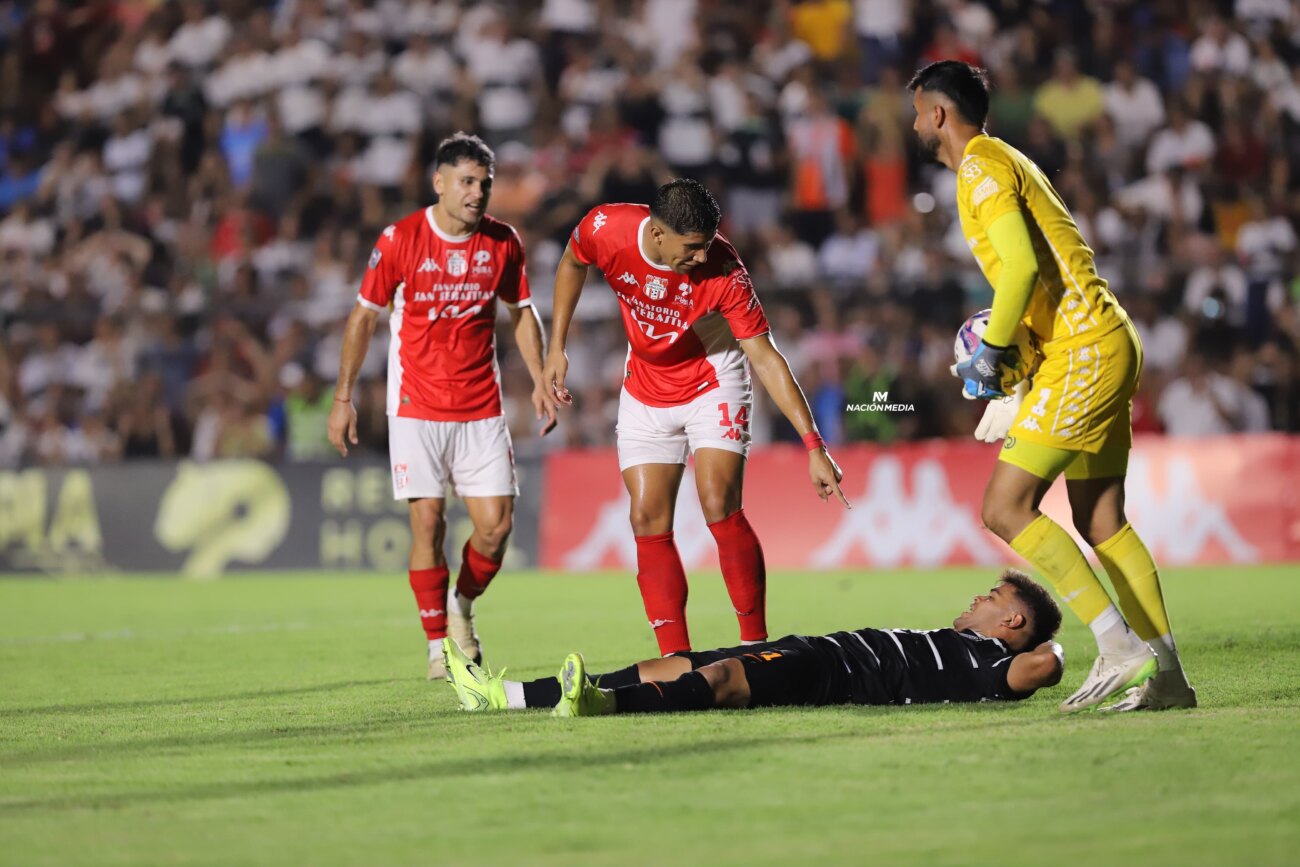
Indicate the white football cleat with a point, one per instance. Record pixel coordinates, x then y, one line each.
1165 691
1111 676
461 630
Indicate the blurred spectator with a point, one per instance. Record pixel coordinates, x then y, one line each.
185 189
1069 101
1134 104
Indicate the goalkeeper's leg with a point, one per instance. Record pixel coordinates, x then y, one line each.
1098 508
1011 511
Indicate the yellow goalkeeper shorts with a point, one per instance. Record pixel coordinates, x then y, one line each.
1078 416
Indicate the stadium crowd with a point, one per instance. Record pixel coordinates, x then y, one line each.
189 191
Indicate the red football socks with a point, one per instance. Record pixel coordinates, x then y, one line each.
476 572
662 580
430 588
745 574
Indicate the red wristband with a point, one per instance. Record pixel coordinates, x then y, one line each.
813 441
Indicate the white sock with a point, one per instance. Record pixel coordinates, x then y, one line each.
514 694
435 648
1114 638
463 605
758 641
1166 653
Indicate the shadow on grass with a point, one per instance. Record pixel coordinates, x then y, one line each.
251 695
446 770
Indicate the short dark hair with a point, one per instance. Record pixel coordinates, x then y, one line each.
686 206
1044 614
463 146
967 86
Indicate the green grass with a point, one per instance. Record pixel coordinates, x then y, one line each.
285 720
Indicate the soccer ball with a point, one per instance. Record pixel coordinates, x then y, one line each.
1021 359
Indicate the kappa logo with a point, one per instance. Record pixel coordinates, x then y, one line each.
599 222
389 232
457 265
431 612
428 265
655 624
628 278
656 287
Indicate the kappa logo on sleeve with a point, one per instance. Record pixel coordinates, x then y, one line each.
599 222
389 232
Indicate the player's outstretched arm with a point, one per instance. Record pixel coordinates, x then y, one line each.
356 340
774 372
1040 667
528 335
570 277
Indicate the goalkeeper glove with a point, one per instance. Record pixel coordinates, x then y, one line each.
981 374
1000 413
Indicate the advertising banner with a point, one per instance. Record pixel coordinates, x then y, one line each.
205 519
1230 499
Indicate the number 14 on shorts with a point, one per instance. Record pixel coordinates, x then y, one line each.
736 423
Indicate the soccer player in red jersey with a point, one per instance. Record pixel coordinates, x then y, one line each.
694 326
441 271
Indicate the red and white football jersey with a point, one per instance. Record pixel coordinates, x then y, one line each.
681 328
442 363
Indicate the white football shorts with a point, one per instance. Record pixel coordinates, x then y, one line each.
476 458
717 419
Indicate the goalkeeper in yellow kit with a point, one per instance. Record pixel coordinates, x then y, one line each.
1076 417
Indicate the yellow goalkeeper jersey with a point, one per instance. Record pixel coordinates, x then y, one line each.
1070 304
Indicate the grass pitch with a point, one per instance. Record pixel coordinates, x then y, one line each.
285 720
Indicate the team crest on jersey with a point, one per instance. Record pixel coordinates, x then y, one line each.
656 287
375 256
482 263
457 264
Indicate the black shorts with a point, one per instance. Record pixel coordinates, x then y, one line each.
788 672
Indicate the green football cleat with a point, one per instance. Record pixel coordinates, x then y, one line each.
578 695
477 689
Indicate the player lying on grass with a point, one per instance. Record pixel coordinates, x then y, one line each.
998 649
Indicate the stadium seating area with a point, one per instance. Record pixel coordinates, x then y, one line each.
188 193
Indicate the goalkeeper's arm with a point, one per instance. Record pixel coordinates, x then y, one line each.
1009 235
